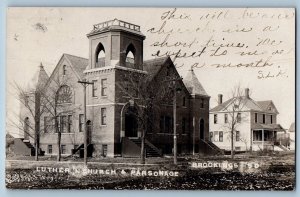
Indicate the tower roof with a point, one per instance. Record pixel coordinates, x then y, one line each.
39 79
118 25
193 85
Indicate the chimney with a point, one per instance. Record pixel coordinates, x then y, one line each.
247 93
220 99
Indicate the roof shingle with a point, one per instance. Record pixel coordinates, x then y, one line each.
78 63
193 85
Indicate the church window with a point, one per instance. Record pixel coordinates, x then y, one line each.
202 103
239 117
81 122
183 125
130 56
64 69
94 88
64 94
69 123
100 56
103 116
103 87
49 149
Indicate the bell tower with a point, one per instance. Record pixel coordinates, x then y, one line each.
115 50
116 43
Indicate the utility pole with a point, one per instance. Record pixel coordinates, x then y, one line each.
85 84
175 89
194 133
174 123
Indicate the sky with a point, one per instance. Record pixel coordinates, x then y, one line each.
226 47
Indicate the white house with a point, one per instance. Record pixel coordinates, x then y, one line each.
254 123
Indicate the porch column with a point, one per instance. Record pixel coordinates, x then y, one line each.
263 136
273 140
251 140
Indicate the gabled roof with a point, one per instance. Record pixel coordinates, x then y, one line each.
193 85
247 103
79 63
292 127
221 106
264 104
153 66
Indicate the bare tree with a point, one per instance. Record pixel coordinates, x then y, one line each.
149 94
58 98
49 98
34 108
235 113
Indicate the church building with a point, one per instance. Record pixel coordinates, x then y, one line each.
127 98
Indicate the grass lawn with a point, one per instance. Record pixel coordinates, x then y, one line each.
275 172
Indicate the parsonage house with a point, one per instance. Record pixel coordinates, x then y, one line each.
126 98
252 124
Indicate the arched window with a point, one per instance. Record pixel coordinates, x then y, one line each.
130 56
64 94
100 56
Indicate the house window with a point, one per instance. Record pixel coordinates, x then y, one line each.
202 103
264 118
103 116
64 69
237 136
215 118
183 101
63 124
103 87
63 149
183 125
81 122
94 88
211 136
239 117
271 119
270 108
226 118
49 149
220 136
69 123
257 135
255 117
216 136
